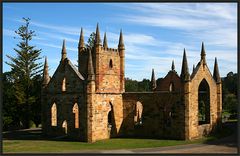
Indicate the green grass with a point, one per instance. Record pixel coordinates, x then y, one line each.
32 142
41 146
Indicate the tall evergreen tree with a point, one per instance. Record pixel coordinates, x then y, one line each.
10 108
25 68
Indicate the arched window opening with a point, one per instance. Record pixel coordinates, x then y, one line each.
171 87
54 115
64 125
76 115
138 113
64 85
203 103
169 119
110 63
110 116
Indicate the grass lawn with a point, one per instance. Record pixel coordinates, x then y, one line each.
39 146
31 141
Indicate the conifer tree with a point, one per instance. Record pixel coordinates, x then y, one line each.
25 68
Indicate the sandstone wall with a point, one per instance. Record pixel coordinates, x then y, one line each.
108 74
101 107
162 115
173 78
196 130
64 100
65 103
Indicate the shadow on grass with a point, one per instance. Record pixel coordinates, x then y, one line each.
226 136
33 134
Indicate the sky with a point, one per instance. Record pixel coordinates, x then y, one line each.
154 33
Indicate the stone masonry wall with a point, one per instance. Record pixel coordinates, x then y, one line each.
107 77
196 130
101 107
171 77
65 101
162 115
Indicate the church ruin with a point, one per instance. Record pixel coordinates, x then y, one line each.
90 103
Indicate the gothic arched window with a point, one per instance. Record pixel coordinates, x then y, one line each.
138 113
64 84
203 103
171 87
64 125
76 115
54 115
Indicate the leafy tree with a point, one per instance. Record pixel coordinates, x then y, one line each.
202 108
230 83
135 86
91 39
131 85
24 68
144 85
90 42
230 103
229 88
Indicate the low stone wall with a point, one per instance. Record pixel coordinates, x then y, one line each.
204 130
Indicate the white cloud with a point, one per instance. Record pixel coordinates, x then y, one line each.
213 23
59 28
59 37
8 32
57 46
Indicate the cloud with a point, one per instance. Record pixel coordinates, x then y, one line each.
57 46
48 35
213 23
59 28
171 22
225 11
8 32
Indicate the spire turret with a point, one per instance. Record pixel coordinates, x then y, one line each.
46 77
97 37
185 76
81 40
216 74
153 80
105 45
90 66
121 44
203 54
64 52
173 66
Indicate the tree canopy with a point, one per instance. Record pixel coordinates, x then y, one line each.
25 74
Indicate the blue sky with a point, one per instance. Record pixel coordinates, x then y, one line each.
154 33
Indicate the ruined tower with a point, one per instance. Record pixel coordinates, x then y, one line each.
104 71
